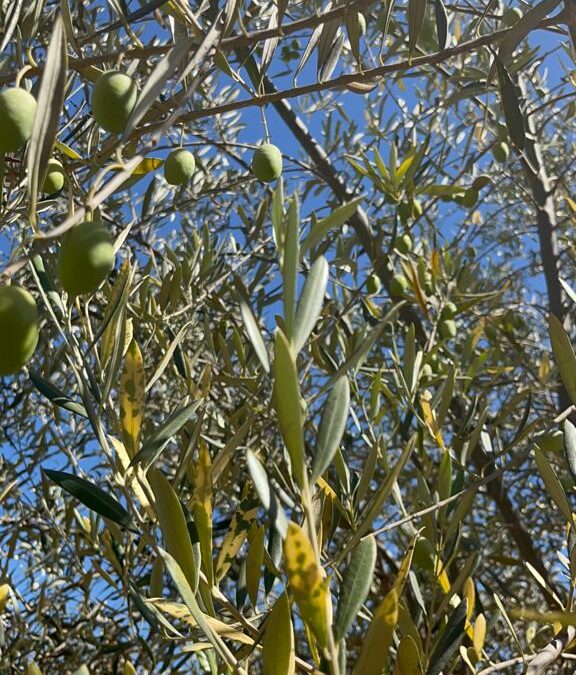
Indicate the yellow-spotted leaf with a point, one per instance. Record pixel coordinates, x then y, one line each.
378 640
308 583
202 509
173 525
132 398
236 535
278 656
288 404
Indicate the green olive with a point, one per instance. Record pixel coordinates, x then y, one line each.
18 328
55 177
404 244
17 114
426 372
449 311
373 284
267 163
86 258
447 329
398 285
113 100
179 166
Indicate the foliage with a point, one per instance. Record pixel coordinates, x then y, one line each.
307 405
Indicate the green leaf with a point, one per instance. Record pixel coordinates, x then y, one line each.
290 265
254 560
416 16
408 661
55 395
441 23
563 355
523 27
254 334
511 106
311 301
441 190
287 403
181 582
378 640
266 493
172 522
449 640
51 96
337 218
570 447
153 447
553 485
278 657
332 426
355 585
91 496
278 215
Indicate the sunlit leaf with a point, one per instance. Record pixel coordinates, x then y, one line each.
278 656
308 583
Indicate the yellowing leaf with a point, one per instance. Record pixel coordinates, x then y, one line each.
136 479
430 420
128 669
4 596
147 165
308 583
278 645
202 509
479 635
67 150
404 569
132 398
378 640
181 611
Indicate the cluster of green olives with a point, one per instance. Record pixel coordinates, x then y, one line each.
113 101
86 254
85 259
17 114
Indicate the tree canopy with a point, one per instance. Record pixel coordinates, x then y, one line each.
286 366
